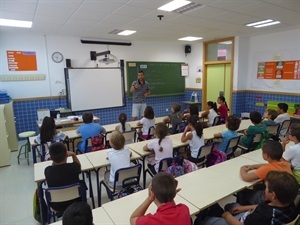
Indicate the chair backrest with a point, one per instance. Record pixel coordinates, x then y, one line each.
273 129
166 162
257 138
130 136
294 221
63 193
216 121
128 176
232 144
151 131
284 127
180 127
205 150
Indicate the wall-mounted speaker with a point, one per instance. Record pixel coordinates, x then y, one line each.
68 63
187 49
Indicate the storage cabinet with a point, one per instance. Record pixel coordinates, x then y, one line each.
11 126
5 151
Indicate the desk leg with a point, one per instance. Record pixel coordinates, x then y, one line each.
98 186
144 172
91 188
40 195
33 148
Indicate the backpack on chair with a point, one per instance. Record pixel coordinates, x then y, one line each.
98 143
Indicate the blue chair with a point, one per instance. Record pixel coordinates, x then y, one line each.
124 177
64 194
232 146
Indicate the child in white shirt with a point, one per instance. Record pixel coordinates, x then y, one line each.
123 126
147 121
282 116
162 147
118 156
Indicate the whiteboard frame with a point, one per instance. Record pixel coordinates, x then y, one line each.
85 93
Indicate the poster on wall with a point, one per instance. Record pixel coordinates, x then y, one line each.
21 61
284 70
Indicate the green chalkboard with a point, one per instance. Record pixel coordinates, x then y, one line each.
164 78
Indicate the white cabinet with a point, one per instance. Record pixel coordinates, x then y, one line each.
4 148
11 126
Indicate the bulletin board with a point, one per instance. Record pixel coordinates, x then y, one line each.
21 60
284 70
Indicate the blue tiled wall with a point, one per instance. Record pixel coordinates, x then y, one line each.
26 111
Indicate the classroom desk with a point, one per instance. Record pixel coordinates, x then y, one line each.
204 187
98 160
121 209
64 121
230 169
255 155
86 167
100 217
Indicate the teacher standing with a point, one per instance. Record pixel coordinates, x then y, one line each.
140 89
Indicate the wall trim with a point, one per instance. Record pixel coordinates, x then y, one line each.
193 89
268 92
37 98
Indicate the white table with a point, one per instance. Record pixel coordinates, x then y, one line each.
230 169
204 187
100 217
121 209
255 155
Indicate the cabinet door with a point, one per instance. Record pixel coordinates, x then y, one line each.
11 126
4 149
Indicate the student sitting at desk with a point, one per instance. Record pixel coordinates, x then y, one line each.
193 132
162 147
278 207
193 110
272 153
269 118
232 124
223 109
174 118
123 126
162 192
254 129
88 129
61 173
282 116
49 135
118 156
79 213
211 113
292 153
147 121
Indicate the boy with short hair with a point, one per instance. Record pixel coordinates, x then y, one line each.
254 129
270 117
61 173
79 213
292 153
282 116
162 192
272 153
281 190
88 129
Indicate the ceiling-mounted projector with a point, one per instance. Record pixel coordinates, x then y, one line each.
108 58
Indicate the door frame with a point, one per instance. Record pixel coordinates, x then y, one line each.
206 63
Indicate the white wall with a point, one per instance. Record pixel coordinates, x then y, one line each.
194 60
79 54
261 49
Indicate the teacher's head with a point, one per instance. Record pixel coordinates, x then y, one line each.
141 76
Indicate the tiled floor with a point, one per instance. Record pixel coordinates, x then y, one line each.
17 187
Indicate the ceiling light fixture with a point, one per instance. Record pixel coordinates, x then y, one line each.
189 8
258 23
127 32
15 23
267 24
190 38
174 5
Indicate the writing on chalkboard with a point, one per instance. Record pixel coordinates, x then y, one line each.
164 78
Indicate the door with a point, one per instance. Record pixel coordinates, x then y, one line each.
218 81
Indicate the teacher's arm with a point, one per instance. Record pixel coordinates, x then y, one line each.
134 86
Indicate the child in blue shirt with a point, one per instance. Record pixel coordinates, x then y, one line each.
232 124
88 129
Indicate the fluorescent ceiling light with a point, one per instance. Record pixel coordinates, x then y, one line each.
257 23
174 5
127 32
267 24
190 38
189 8
226 42
15 23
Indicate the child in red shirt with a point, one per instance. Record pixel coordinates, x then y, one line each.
223 109
162 192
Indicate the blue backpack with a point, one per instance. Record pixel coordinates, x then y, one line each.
175 170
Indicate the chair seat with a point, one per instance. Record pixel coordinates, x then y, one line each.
26 134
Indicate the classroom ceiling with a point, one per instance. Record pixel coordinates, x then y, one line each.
95 19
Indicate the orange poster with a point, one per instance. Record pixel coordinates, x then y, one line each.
284 70
21 61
